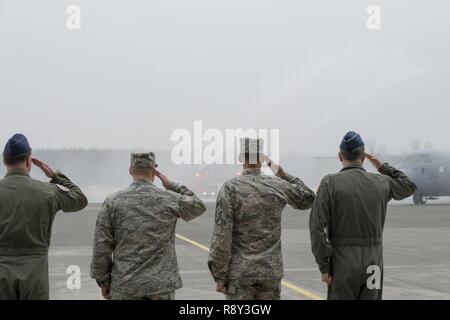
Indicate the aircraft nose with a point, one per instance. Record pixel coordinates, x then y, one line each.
409 173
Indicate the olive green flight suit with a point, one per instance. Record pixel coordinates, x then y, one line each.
27 211
346 226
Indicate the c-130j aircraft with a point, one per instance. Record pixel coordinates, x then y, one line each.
430 171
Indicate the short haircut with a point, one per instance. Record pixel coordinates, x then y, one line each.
15 160
355 154
135 170
253 159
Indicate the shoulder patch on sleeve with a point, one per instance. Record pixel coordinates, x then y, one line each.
62 188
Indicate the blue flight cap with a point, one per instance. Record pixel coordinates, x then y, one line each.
351 141
17 146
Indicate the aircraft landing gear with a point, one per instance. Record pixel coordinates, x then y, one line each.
419 199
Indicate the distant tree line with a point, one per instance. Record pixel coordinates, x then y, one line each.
102 168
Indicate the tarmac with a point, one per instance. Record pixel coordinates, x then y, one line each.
416 254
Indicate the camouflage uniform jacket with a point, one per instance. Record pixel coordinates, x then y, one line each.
246 242
134 242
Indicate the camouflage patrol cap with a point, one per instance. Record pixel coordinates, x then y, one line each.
252 146
143 160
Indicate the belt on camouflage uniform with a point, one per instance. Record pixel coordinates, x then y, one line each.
23 251
364 242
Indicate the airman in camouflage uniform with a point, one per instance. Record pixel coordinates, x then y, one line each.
27 210
245 254
347 220
134 246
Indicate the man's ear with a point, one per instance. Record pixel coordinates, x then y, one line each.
29 164
363 158
152 174
340 156
130 170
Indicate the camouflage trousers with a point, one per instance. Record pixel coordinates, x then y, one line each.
115 295
254 290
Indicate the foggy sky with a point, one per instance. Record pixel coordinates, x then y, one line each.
138 70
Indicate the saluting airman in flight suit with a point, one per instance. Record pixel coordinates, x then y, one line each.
347 220
27 211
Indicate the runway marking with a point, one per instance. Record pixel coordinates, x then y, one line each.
284 283
194 243
300 290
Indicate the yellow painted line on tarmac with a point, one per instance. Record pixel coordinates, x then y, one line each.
194 243
300 290
284 283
